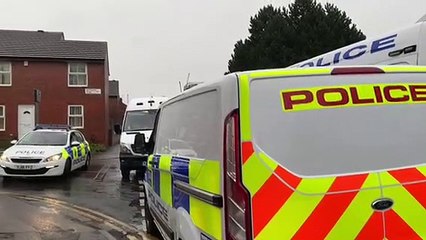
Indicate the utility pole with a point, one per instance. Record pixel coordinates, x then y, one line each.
37 101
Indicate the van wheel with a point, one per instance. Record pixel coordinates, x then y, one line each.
125 174
151 228
87 163
67 168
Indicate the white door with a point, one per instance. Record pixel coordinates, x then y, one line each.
26 119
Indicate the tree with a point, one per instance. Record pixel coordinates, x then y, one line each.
280 37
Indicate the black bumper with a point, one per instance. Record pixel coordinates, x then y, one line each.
26 172
132 162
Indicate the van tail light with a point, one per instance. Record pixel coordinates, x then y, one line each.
356 70
237 198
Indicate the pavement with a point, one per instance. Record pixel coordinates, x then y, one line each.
91 204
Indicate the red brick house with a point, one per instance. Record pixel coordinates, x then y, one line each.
72 77
116 109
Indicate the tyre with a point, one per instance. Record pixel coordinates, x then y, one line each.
151 228
125 174
140 174
67 168
87 163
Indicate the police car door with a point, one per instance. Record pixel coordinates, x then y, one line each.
84 147
76 156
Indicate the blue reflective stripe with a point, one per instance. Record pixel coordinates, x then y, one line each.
148 177
69 151
180 170
156 174
79 151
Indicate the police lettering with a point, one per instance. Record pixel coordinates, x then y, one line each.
30 152
353 95
352 53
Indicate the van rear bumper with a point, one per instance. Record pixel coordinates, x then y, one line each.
132 162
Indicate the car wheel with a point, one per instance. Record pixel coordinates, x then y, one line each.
151 227
87 163
67 168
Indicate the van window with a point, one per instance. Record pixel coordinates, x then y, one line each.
349 135
139 120
191 128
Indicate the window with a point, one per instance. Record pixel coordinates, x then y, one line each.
338 141
44 139
2 118
77 75
191 128
76 116
5 74
139 120
80 137
75 138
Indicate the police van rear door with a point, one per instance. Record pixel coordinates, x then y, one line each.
321 141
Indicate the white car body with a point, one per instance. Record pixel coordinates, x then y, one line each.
33 161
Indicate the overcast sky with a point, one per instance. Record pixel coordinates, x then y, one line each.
154 44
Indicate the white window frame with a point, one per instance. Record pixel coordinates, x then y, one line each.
77 73
10 74
82 116
3 117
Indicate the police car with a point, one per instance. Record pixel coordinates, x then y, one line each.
48 150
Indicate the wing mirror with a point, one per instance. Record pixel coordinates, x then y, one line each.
13 142
140 144
75 144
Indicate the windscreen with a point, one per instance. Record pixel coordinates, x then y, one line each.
341 124
139 120
44 139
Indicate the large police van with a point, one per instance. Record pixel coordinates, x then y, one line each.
138 118
405 46
306 153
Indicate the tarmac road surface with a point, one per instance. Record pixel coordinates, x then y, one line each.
90 205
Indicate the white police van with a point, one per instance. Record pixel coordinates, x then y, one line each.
402 47
138 118
48 150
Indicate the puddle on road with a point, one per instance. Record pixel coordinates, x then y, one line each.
55 219
110 196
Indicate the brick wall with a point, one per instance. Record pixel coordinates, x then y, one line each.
51 77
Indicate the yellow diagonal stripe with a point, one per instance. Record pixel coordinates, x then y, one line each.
296 210
359 211
405 205
245 108
255 167
422 169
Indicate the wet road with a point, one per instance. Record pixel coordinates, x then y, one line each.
94 204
